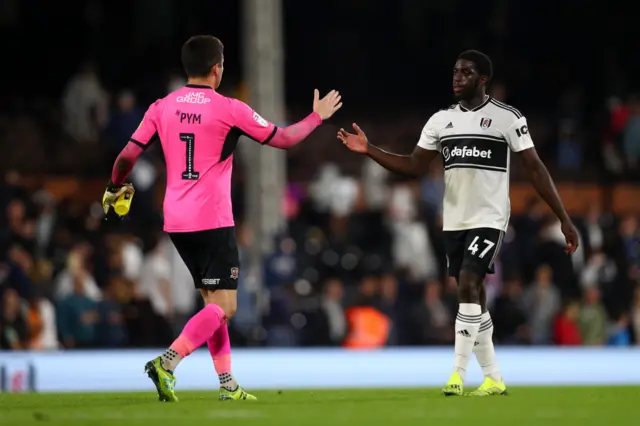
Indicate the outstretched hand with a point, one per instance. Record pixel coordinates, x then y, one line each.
328 105
357 142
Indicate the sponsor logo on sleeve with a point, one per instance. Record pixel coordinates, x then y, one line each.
261 121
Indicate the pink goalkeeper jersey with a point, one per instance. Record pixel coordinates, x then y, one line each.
199 130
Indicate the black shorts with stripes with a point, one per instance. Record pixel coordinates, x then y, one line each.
474 250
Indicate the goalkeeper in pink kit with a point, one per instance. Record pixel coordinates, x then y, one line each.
199 129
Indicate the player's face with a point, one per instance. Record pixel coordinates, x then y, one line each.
465 79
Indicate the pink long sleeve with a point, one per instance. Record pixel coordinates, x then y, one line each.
142 138
125 162
296 133
264 132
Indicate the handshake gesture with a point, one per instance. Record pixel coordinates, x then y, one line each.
328 105
357 142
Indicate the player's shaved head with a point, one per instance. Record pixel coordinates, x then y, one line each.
200 54
482 62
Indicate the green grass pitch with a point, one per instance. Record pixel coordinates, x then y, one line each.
583 406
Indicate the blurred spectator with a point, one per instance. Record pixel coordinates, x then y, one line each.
376 189
412 248
593 228
542 303
85 105
389 305
144 177
13 327
19 265
322 189
123 121
593 319
281 265
635 316
619 333
368 328
631 140
41 319
612 148
551 252
566 327
432 189
570 147
524 229
433 319
629 239
45 223
599 271
112 332
76 274
78 315
508 315
328 325
144 327
155 278
132 257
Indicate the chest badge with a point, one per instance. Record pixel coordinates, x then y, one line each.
485 122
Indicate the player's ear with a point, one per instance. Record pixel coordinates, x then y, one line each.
216 71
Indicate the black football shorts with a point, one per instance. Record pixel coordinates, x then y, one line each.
211 256
472 249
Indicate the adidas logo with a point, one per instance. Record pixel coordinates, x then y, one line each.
449 126
464 333
475 344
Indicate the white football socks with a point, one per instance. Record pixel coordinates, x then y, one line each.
467 327
484 350
170 359
228 382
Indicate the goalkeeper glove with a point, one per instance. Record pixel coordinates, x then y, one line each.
113 192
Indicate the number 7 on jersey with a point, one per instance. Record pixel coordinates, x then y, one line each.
473 247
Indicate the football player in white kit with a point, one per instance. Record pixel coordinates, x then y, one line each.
475 136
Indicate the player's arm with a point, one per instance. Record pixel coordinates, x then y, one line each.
266 133
520 142
415 164
142 138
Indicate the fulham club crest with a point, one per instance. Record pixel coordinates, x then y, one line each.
485 123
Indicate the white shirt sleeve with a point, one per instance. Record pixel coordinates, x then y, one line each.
518 136
429 138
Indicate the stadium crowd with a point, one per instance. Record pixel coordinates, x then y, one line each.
363 247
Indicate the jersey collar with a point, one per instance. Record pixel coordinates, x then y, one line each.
479 107
198 86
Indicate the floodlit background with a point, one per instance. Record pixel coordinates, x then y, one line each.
322 231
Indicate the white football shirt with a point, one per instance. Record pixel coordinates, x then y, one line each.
475 146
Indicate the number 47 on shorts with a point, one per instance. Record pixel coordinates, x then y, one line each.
474 248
